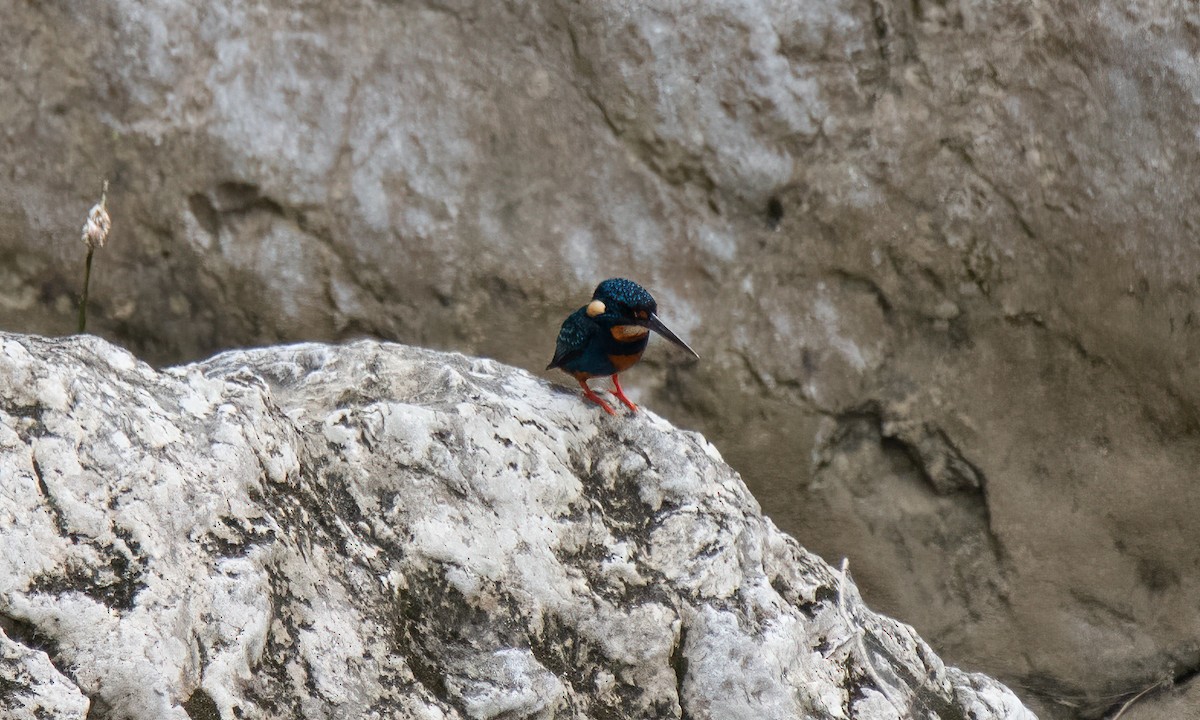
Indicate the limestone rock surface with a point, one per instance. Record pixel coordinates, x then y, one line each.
378 531
939 256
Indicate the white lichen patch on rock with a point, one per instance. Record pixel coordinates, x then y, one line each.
378 531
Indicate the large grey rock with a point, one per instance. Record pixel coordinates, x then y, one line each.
938 256
380 531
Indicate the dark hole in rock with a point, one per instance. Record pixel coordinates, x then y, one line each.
774 212
201 706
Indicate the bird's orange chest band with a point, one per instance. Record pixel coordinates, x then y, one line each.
624 362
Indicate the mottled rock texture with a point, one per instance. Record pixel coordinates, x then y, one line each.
938 255
377 531
1166 702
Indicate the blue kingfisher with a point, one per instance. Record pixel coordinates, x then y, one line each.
608 335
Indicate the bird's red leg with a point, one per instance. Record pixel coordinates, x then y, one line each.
590 395
621 395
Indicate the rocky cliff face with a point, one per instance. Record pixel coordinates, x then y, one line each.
938 256
380 531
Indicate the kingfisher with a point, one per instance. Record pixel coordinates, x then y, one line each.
608 335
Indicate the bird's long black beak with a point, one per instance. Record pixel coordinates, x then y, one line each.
657 326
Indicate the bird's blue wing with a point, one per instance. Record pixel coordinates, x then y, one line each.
577 331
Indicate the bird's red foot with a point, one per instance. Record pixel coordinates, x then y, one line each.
591 395
621 395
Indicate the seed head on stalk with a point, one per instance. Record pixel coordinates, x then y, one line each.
95 234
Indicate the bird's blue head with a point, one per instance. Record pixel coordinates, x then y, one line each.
629 310
625 298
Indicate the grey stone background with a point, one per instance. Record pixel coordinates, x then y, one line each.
939 257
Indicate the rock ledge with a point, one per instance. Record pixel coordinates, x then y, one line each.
379 531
